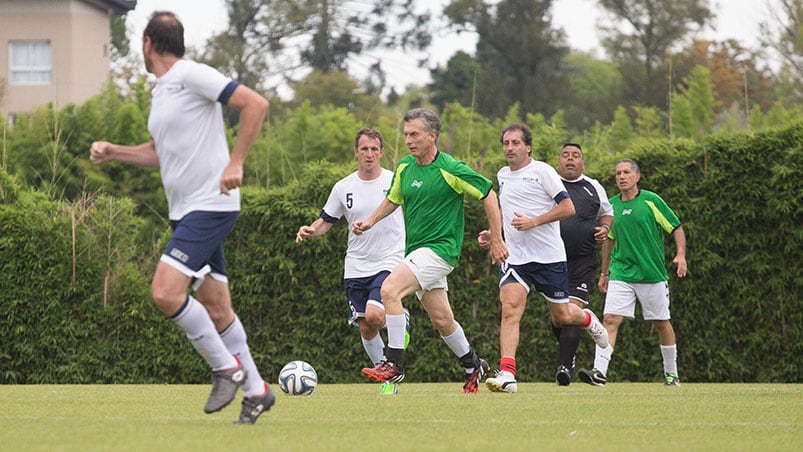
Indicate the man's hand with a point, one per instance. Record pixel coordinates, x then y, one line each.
100 152
232 178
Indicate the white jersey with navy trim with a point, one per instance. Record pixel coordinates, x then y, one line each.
186 124
378 249
531 191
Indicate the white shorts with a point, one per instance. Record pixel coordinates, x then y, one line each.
654 299
430 270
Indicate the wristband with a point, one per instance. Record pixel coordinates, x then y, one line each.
606 226
607 275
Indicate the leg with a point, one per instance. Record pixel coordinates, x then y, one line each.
666 337
513 299
568 341
371 340
400 283
169 290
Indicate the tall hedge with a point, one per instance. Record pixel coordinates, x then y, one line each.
75 299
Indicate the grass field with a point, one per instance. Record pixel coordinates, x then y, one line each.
426 416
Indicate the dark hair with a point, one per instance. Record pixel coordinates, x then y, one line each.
370 133
166 33
574 145
633 165
431 121
526 133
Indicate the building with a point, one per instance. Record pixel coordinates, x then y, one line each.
54 51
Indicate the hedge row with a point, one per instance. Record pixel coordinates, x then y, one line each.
75 301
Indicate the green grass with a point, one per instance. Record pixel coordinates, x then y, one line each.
425 416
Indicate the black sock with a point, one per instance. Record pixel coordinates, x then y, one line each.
396 356
470 360
569 340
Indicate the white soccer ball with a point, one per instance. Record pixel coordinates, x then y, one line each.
298 378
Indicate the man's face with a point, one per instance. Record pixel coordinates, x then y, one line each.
516 152
146 47
570 163
626 178
418 141
368 152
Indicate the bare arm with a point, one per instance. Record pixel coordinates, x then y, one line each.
317 228
142 155
253 108
602 228
385 208
564 209
607 247
680 250
499 251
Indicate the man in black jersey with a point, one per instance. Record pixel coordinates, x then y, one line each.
580 233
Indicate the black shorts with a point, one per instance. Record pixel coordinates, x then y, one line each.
582 276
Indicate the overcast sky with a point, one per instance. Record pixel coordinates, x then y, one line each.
736 19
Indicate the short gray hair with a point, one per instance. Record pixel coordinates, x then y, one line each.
431 121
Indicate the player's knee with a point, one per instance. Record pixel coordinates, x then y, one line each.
375 319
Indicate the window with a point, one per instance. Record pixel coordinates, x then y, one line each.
29 63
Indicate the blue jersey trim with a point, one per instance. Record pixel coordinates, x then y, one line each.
225 95
561 196
328 218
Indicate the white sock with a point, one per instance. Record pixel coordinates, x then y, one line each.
201 332
670 355
396 328
236 342
602 358
375 348
457 342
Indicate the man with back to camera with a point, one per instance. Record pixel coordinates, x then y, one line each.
201 181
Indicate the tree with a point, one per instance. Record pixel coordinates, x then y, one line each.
784 34
595 86
320 35
700 93
456 82
654 26
519 53
736 75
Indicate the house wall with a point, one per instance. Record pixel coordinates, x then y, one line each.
80 39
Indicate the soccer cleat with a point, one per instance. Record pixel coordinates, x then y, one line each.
503 381
256 405
592 377
564 375
406 327
385 372
671 380
224 387
597 330
472 385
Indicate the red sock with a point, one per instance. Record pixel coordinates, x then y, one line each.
588 320
508 364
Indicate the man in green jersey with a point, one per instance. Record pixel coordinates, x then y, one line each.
430 185
633 268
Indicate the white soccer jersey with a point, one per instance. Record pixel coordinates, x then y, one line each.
380 248
186 123
531 191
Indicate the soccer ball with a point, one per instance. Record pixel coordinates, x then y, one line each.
298 378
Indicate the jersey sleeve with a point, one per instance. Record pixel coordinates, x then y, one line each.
463 179
333 209
207 81
605 207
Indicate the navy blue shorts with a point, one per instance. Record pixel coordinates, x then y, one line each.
551 280
360 290
196 247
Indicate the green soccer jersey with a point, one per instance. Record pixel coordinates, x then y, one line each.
432 199
638 254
